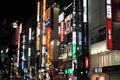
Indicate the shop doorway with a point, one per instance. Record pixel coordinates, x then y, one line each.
100 77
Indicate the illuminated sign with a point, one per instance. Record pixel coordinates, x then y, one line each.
44 48
69 17
98 70
68 27
74 50
74 44
86 62
62 31
38 11
47 17
109 25
69 71
61 17
30 33
85 11
47 22
47 14
80 38
44 39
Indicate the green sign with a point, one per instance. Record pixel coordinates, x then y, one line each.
69 71
74 50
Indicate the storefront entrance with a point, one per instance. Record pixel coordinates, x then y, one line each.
100 77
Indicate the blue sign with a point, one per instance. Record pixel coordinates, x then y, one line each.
47 22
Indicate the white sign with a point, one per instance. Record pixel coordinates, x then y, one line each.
109 13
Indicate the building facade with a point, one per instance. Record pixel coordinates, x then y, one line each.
103 31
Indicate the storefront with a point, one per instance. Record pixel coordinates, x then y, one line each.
101 76
113 72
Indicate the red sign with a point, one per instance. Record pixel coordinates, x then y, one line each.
86 62
109 33
109 25
62 31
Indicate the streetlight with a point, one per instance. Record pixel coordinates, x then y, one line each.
15 24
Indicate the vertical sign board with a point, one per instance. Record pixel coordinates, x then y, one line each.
80 42
47 17
61 18
62 31
109 24
85 34
74 44
85 26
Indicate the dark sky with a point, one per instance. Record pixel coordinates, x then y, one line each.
19 10
10 11
16 9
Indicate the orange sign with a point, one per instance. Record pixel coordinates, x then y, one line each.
47 14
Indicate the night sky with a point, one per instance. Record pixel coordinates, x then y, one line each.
16 9
20 10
